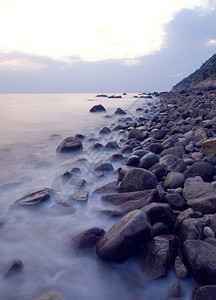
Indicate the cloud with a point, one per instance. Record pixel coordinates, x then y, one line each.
210 42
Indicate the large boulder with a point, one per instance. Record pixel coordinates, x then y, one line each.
138 179
206 292
158 255
88 238
200 168
34 198
125 237
98 108
201 260
201 197
69 144
174 180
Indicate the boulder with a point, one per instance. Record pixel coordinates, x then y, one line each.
69 144
181 270
177 151
206 292
193 180
120 111
184 215
201 197
156 148
190 229
212 223
159 170
201 260
160 228
50 295
98 108
209 146
168 160
104 167
158 255
202 169
34 198
133 161
112 145
123 239
174 180
105 130
148 160
88 238
160 212
176 201
137 179
135 134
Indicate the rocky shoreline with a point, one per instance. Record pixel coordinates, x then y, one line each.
164 195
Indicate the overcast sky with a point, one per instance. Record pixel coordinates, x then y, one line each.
103 46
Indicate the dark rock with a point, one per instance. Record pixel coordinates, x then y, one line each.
112 213
160 212
211 241
13 268
201 197
168 160
137 179
112 145
174 180
133 161
50 295
179 166
202 169
101 95
70 144
158 170
34 198
148 160
181 270
96 146
105 130
201 260
206 292
140 153
125 237
159 134
176 201
188 213
88 238
193 180
120 111
80 136
160 228
190 229
208 232
98 108
110 187
158 255
212 223
135 134
104 167
116 157
176 151
156 148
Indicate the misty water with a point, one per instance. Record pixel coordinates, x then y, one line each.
32 126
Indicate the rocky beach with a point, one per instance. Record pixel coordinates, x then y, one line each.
158 191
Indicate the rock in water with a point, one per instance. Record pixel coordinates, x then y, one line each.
14 267
34 198
120 111
125 237
88 238
138 179
98 108
70 144
201 259
158 256
50 295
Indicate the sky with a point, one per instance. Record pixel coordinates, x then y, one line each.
53 46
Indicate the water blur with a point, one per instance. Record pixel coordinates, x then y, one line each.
32 126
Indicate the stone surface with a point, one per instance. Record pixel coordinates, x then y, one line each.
50 295
160 228
176 201
70 144
148 160
206 292
120 111
174 180
125 237
98 108
13 268
111 145
174 292
135 134
209 146
201 260
193 180
202 169
181 270
137 179
190 229
34 198
88 238
105 130
177 151
104 167
159 170
158 255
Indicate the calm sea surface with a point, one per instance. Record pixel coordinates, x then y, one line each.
31 128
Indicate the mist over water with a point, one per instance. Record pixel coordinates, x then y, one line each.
32 126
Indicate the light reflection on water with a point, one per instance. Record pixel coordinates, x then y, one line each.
41 238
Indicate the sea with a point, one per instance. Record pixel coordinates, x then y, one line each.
31 128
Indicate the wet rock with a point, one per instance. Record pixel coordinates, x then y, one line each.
200 258
206 292
160 228
181 270
140 153
104 167
80 196
98 108
125 237
88 238
112 213
202 169
107 188
201 197
176 201
50 295
174 180
96 146
137 179
208 232
112 145
177 151
135 134
190 229
158 255
148 160
156 148
133 161
159 134
34 198
70 144
120 111
116 157
105 130
13 268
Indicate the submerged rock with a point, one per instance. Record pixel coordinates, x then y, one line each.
34 198
98 108
88 238
70 144
14 267
125 237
